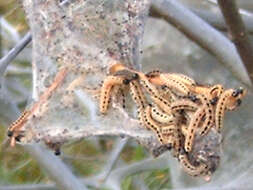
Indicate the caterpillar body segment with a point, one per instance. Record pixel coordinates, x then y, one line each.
184 105
178 142
191 130
209 115
184 130
153 73
154 94
168 139
216 90
151 124
15 128
20 121
168 94
117 67
229 100
172 83
14 131
127 74
182 78
138 95
139 98
220 109
168 134
118 91
158 115
210 91
200 170
106 90
169 129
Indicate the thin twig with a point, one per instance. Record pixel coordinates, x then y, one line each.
6 60
139 183
29 187
144 165
216 19
203 34
55 168
243 12
238 33
118 147
10 29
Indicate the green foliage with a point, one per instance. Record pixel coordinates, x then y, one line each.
154 180
12 11
16 165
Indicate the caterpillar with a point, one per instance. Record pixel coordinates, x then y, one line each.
106 89
192 170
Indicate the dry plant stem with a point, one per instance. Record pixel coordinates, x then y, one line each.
119 145
55 168
216 19
6 60
29 187
7 28
145 165
203 34
238 33
138 183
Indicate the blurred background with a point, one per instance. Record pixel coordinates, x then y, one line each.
164 47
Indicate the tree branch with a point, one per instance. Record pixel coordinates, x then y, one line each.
145 165
238 33
6 60
216 19
8 28
201 33
118 147
55 168
29 187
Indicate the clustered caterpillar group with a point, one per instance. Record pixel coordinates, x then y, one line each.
175 108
